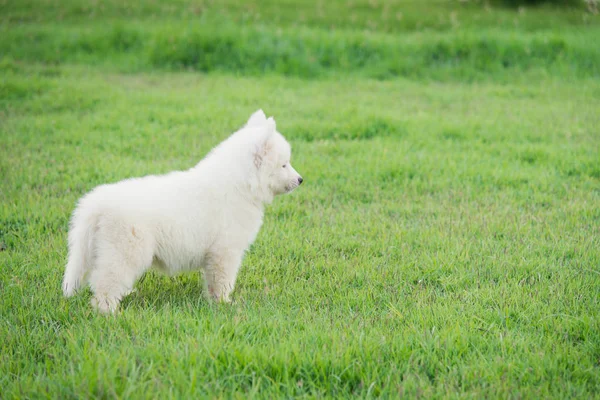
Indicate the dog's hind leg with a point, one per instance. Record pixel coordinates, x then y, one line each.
110 284
123 256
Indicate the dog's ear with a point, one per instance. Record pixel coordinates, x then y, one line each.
258 118
264 145
271 126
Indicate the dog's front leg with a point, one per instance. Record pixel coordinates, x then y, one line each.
220 274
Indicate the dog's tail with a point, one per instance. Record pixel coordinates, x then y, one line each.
81 237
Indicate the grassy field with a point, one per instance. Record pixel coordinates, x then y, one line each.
446 242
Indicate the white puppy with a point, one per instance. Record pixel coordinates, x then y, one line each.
205 217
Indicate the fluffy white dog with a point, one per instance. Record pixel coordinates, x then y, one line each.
205 217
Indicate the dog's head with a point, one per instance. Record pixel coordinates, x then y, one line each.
271 155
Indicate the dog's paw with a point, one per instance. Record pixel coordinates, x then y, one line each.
222 299
105 305
219 294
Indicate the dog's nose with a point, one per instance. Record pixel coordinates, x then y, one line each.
300 180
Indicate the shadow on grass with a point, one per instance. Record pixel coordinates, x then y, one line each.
155 291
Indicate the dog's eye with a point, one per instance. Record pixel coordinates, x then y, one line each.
283 166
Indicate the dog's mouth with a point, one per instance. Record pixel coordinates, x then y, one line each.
291 187
294 184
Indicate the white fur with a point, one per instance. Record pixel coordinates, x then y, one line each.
205 217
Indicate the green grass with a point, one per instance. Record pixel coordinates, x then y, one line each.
484 54
446 242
